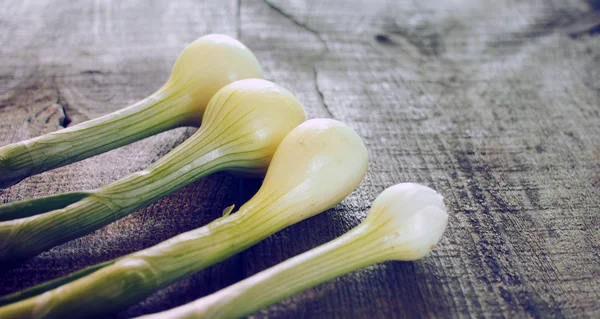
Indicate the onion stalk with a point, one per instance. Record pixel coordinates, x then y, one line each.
405 222
316 165
202 68
243 125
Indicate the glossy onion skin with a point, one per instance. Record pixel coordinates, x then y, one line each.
309 159
204 67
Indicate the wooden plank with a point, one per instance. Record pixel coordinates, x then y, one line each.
493 103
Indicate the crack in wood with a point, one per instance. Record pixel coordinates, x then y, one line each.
317 59
318 88
92 72
64 119
588 24
296 22
567 23
426 39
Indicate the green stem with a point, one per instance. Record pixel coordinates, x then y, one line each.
138 275
39 205
49 285
24 238
356 249
158 113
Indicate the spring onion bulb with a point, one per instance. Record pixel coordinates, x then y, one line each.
202 68
406 221
318 164
244 123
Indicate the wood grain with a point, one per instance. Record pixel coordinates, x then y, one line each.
495 104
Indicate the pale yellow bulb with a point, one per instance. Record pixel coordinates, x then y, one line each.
316 165
205 66
410 219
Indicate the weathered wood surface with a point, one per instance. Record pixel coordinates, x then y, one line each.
496 104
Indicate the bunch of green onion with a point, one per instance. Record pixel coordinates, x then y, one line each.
249 126
316 165
243 125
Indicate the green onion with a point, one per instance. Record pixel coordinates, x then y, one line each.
405 223
316 165
243 125
204 66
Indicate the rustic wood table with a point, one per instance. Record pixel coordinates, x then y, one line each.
495 104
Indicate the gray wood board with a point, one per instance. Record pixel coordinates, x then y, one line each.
495 104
